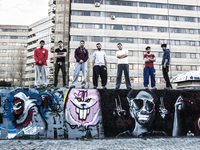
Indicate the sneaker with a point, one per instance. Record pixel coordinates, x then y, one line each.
83 87
154 88
168 88
117 88
53 86
94 87
146 87
104 87
44 86
65 86
72 86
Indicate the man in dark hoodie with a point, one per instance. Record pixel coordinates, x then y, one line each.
165 65
81 56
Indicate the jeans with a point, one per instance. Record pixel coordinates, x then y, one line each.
43 71
77 69
120 68
149 72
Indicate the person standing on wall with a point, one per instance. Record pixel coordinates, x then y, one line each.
60 54
99 65
165 65
41 56
81 55
149 70
122 65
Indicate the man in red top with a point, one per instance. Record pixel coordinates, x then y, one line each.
40 56
149 68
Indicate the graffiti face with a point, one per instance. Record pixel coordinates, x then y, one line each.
18 106
142 107
82 108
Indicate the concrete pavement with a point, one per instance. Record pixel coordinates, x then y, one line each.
104 144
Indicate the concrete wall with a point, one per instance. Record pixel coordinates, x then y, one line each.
89 113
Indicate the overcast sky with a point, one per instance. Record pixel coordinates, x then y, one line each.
22 12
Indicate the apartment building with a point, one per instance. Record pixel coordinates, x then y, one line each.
41 30
137 24
13 43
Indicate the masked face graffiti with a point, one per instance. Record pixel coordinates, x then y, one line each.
82 108
21 108
142 107
26 115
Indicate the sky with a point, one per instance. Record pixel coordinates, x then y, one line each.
22 12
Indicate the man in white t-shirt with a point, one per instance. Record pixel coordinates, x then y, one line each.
122 65
99 65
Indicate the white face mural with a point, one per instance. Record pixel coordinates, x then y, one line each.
142 107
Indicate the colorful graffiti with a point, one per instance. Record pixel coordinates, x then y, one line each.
31 113
82 113
91 113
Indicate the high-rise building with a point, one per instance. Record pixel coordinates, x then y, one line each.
138 24
41 30
13 43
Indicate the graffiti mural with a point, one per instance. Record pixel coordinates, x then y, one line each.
150 113
90 113
83 114
32 113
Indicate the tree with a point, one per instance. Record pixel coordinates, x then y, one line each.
17 67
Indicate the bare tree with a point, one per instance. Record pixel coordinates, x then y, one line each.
17 67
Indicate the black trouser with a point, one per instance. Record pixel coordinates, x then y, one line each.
165 75
102 71
63 69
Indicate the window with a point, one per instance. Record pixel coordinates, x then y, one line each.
194 68
178 68
89 26
177 55
80 25
112 66
193 55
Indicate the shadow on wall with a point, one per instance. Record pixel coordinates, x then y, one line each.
89 113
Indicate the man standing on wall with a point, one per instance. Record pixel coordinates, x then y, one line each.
122 65
40 56
99 65
165 65
60 54
149 68
81 56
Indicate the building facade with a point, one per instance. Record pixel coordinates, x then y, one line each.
138 24
13 43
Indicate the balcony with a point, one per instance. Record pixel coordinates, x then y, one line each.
52 60
53 30
51 71
53 20
52 10
52 2
52 39
52 50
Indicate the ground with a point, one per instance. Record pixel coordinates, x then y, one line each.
104 144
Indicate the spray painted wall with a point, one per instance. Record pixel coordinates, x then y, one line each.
90 113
